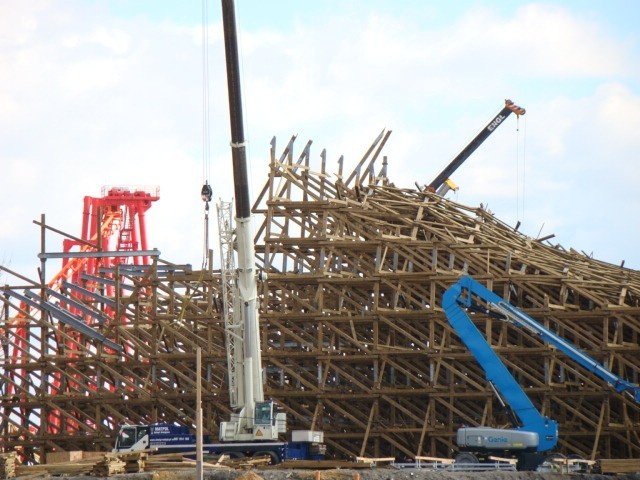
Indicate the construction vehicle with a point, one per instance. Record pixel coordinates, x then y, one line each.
255 424
167 438
442 183
535 435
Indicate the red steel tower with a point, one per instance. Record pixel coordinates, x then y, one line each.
115 222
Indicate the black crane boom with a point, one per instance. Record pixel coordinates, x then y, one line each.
238 147
509 107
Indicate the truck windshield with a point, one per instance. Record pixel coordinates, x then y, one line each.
126 437
263 413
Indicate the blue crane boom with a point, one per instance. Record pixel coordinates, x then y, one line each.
454 301
460 298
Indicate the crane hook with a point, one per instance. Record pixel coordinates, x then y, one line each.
206 193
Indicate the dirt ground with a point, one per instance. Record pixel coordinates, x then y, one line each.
418 474
364 474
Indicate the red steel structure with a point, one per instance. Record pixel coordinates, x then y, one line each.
113 222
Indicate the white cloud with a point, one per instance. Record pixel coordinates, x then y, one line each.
115 40
618 114
92 100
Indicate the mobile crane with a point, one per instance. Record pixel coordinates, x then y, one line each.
255 423
442 183
535 433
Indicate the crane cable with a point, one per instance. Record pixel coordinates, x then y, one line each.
206 192
520 201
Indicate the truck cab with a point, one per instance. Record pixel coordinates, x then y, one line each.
164 436
132 438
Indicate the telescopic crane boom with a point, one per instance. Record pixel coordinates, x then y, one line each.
254 425
254 418
535 432
441 184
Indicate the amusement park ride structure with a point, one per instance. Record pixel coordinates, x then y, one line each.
113 236
356 342
354 338
113 222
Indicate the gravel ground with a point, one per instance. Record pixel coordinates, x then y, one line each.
419 474
364 474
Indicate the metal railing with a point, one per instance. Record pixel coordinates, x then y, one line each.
458 466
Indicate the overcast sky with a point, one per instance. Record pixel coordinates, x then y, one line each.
110 92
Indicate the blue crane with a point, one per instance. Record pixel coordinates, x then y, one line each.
534 432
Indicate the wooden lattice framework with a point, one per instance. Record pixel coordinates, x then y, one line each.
359 343
354 340
160 315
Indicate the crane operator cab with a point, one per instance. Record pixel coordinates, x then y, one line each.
267 423
263 413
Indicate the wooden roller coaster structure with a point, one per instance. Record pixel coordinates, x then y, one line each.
355 342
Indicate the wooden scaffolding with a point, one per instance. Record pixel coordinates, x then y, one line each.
354 340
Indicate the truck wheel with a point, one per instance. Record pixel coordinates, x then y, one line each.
466 457
272 455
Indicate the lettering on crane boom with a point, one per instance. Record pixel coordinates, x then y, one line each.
496 121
